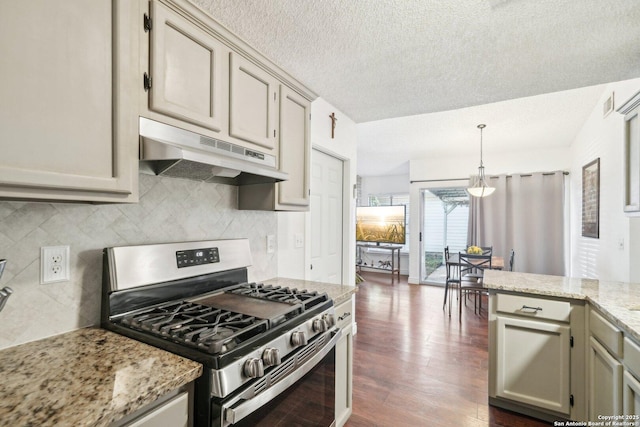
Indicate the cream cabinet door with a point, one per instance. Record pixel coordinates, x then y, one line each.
630 395
533 363
62 138
605 382
295 149
253 103
344 363
188 70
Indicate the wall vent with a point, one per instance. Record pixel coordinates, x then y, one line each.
607 106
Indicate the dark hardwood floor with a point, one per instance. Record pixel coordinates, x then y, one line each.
416 366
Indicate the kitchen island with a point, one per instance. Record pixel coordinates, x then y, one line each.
563 348
87 377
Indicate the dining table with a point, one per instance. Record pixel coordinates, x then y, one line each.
497 262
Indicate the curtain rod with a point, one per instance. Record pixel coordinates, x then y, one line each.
490 176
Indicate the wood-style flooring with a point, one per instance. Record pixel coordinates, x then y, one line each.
414 365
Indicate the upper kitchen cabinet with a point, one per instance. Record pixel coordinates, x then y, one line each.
294 150
188 68
65 136
253 103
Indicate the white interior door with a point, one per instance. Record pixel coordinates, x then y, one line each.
326 218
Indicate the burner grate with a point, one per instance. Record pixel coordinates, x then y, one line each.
210 329
280 294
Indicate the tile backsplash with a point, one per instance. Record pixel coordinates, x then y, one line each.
170 210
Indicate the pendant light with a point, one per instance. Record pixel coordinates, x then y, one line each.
479 186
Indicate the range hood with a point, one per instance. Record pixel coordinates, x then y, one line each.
170 151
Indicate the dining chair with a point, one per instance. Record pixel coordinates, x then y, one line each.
471 271
452 280
511 258
487 250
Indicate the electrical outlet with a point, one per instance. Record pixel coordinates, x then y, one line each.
299 240
54 264
271 244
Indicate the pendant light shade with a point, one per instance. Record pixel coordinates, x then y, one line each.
478 184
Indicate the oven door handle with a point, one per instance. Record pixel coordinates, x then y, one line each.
235 414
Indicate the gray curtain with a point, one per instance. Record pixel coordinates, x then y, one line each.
525 213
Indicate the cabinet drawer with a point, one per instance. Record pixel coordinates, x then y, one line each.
608 335
632 357
343 314
528 306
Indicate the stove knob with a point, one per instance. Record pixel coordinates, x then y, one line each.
319 325
329 319
253 368
271 357
298 338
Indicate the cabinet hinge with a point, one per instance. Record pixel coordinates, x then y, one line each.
571 341
420 236
148 24
274 133
571 400
147 82
274 96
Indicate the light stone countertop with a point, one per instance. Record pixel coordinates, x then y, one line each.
618 301
338 293
88 377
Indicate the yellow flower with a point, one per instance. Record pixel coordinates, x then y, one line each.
474 250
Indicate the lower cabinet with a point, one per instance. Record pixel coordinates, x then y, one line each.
536 366
543 380
174 409
605 382
630 394
344 363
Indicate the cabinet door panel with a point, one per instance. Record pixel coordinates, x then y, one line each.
344 377
252 103
605 382
294 152
533 363
630 394
187 70
56 102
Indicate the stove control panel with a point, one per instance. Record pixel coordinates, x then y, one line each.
191 257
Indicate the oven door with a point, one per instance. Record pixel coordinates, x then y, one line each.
298 392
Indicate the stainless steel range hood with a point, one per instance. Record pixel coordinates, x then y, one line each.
170 151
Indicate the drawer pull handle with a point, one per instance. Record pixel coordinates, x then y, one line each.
344 316
535 309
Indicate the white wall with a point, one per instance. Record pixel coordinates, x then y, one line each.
293 262
389 184
608 257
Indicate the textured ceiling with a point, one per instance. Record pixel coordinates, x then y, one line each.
383 59
376 59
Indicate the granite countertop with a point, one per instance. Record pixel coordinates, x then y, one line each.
88 377
618 301
338 293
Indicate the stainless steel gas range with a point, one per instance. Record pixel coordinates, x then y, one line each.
268 352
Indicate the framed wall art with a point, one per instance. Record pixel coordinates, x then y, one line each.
591 199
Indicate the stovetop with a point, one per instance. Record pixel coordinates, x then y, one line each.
222 321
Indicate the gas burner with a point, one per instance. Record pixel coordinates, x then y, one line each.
280 294
212 330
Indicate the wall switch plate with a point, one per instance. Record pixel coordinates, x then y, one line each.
54 264
271 244
299 238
